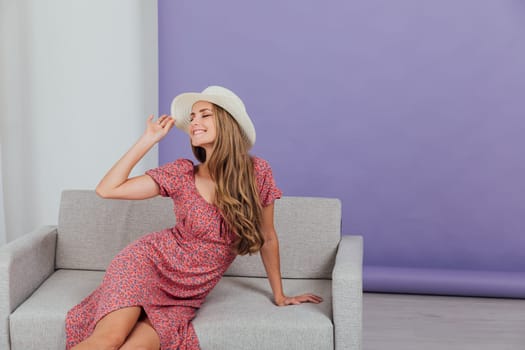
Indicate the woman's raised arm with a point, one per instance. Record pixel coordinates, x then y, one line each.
116 184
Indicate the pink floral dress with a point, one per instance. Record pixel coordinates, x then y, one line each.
170 272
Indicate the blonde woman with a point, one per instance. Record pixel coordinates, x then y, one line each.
223 207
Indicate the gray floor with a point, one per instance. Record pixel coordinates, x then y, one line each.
406 322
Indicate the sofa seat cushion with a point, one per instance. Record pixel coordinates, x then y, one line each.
237 314
39 322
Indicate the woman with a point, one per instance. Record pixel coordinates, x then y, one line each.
223 207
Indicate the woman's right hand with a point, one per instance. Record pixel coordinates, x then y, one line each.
156 130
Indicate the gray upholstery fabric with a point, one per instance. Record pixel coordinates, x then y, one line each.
39 322
24 264
239 314
309 230
92 230
347 293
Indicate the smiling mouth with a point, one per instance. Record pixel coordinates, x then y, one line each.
198 132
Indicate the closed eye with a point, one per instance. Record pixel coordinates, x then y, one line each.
192 116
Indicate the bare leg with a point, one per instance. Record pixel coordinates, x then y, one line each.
112 330
142 337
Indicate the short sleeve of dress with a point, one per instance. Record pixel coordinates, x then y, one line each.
268 190
170 176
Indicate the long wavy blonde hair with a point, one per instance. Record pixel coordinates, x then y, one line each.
236 193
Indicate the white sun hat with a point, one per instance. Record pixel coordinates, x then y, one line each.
182 104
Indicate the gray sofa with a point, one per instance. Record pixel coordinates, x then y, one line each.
46 272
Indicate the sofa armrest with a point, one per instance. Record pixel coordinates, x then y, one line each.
347 293
24 264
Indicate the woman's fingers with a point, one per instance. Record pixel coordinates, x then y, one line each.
165 120
162 121
169 124
316 298
153 122
310 298
304 298
160 127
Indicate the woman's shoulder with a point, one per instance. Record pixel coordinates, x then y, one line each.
183 163
261 167
180 166
268 190
260 164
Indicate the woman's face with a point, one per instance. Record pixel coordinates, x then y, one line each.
202 126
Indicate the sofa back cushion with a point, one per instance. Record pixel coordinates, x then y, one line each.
92 230
309 230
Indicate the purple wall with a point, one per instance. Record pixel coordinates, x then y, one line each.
412 113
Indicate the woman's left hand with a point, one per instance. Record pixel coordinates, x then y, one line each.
304 298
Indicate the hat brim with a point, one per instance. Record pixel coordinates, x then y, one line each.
182 104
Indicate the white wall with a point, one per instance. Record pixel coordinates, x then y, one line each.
78 79
2 212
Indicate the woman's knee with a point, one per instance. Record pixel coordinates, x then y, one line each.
111 341
131 346
143 337
101 341
113 329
